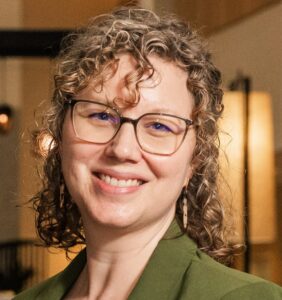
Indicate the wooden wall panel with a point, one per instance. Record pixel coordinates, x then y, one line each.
62 14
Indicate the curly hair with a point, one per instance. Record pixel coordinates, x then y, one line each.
90 53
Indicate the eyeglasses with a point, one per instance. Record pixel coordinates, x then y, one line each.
156 133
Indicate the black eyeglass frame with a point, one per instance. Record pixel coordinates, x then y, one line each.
123 120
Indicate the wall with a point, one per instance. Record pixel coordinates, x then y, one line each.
210 15
10 92
62 13
10 14
254 47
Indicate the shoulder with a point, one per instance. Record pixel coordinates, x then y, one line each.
180 266
36 291
260 290
57 286
220 282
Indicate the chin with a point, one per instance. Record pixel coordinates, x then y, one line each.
114 219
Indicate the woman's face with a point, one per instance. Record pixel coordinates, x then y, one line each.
96 174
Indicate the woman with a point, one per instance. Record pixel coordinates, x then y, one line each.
132 171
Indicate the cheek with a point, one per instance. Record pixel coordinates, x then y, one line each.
175 168
77 173
73 169
74 156
73 153
78 158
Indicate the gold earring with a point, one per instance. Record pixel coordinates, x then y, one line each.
185 209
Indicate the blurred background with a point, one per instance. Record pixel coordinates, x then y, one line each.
245 39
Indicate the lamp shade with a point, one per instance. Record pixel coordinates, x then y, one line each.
261 175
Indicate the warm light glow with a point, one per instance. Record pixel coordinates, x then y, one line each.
231 140
261 169
46 143
4 119
261 162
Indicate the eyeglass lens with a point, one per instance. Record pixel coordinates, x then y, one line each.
155 133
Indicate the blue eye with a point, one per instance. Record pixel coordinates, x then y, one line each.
160 127
100 116
103 116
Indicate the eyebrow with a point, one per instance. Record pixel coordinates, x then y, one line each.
101 100
167 110
157 109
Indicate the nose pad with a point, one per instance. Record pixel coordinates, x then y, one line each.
124 145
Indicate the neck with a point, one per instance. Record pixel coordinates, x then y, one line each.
111 245
117 258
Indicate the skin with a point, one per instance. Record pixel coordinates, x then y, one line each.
124 225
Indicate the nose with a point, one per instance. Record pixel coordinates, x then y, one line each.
124 145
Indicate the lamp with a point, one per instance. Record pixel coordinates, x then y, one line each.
5 118
6 111
250 165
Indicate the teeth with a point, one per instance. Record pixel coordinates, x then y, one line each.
120 183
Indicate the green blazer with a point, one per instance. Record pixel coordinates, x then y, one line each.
177 270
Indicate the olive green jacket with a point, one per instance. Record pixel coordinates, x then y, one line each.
177 270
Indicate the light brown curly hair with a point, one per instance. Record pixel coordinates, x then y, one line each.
90 53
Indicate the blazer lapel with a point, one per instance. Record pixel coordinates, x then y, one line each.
162 277
62 282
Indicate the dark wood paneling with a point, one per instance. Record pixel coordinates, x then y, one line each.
30 43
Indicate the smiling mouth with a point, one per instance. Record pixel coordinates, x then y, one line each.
119 182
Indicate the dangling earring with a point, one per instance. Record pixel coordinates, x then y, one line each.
62 192
185 209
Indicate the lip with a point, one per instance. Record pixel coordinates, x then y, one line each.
110 189
120 175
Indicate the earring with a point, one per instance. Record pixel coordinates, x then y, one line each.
185 209
62 193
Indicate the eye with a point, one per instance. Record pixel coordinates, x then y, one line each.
100 116
159 127
103 116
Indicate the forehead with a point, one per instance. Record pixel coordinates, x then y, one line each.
165 90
